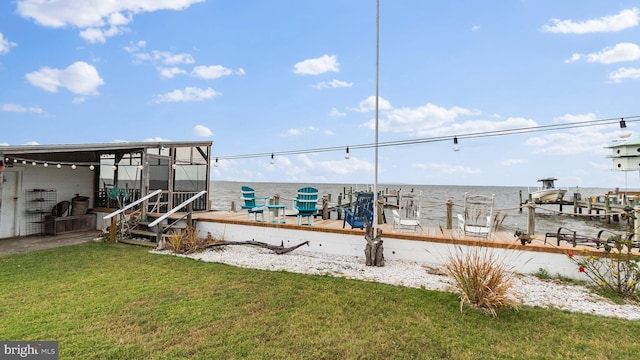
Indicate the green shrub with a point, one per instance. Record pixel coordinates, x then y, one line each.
615 271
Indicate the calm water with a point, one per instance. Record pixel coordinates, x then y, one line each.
432 202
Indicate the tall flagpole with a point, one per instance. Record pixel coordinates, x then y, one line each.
375 183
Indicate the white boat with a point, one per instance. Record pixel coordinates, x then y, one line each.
547 191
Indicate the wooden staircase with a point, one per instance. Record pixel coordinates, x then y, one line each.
142 235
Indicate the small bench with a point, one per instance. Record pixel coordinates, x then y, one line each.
54 225
570 236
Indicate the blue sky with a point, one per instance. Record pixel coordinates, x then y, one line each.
272 76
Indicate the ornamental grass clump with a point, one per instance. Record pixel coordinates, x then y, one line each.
483 279
187 241
615 271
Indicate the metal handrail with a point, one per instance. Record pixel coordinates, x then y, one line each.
175 209
132 204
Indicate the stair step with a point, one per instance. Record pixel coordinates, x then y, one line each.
145 233
138 242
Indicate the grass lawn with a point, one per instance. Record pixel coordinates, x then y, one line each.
103 301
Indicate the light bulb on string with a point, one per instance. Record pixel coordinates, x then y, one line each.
45 165
216 164
58 166
273 161
91 167
73 166
623 125
347 155
455 144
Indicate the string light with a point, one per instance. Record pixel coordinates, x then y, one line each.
45 165
455 144
58 166
515 131
347 155
273 161
216 164
91 167
73 166
623 125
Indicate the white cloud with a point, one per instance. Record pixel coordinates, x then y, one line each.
169 73
576 118
623 20
203 131
475 28
21 109
558 144
336 113
624 73
618 53
420 119
98 19
211 71
79 78
479 126
164 57
154 139
5 44
187 94
300 131
317 66
135 47
582 140
369 104
332 84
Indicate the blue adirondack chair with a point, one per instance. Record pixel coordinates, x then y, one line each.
252 204
306 204
362 207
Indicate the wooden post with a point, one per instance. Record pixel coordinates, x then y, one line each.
531 220
325 207
373 251
113 230
233 206
521 202
190 215
340 207
450 214
159 237
607 209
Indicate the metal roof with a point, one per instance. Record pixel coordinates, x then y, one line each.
88 152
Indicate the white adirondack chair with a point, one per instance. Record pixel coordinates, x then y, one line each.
476 219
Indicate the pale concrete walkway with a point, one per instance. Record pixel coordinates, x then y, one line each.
40 242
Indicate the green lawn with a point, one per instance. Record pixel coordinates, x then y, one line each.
103 301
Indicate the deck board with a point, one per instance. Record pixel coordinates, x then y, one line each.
337 225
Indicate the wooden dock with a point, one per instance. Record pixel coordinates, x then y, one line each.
613 207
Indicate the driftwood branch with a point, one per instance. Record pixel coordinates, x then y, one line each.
278 249
374 251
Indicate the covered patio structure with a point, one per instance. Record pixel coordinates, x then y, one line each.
37 177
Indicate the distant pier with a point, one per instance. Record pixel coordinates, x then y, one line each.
611 205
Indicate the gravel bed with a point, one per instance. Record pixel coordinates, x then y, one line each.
529 290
